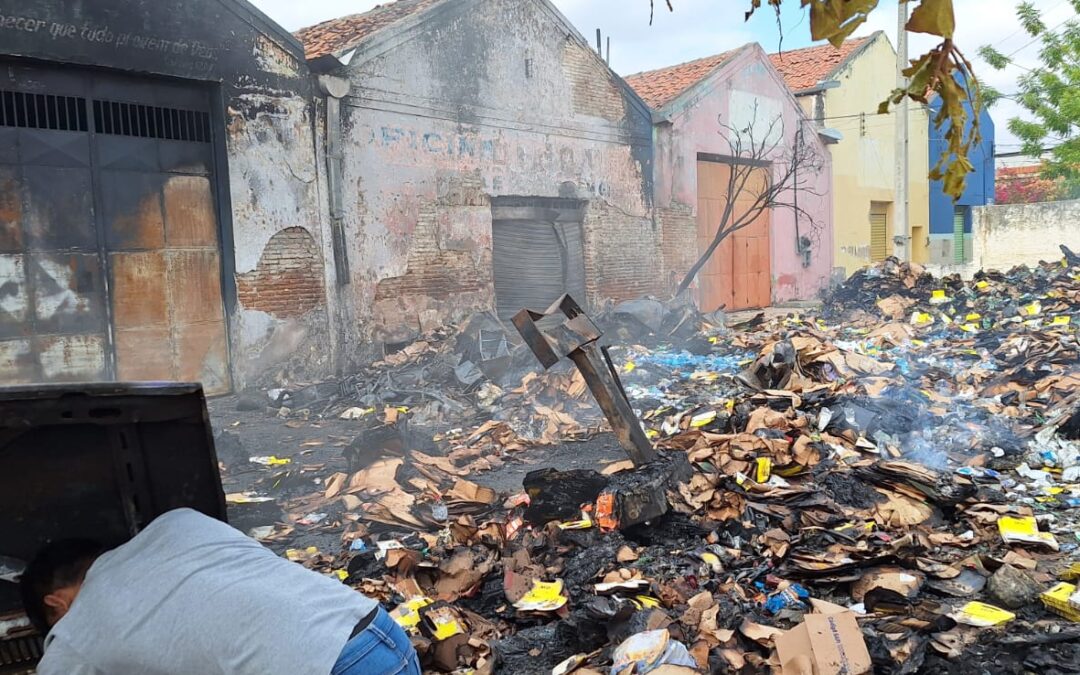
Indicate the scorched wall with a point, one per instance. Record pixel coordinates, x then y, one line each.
475 100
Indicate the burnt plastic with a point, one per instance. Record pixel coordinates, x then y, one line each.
100 461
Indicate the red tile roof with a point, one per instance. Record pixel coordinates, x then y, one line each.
660 87
338 35
804 68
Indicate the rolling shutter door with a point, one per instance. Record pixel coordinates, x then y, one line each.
536 260
879 237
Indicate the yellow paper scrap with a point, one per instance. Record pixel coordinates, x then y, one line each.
1024 530
982 615
1034 308
921 319
938 297
969 328
702 419
629 367
545 596
974 316
1061 321
407 614
982 285
1057 601
764 469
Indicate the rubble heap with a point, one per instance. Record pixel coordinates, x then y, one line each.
892 486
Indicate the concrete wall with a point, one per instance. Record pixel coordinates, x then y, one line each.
1024 234
1007 235
864 161
476 100
695 128
271 215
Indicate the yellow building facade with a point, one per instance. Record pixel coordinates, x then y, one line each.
841 89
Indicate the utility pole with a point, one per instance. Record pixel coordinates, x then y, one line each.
901 226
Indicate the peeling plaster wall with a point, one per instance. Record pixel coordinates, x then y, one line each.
487 98
280 243
695 128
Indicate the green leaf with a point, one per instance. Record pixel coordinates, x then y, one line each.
993 57
935 17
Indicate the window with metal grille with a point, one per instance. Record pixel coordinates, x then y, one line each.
148 121
42 111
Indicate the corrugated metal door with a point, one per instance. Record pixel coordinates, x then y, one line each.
110 254
739 273
959 254
879 233
537 253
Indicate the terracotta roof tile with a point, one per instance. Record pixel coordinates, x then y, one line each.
660 87
338 35
804 68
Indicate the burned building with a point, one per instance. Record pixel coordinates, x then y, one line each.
490 159
160 215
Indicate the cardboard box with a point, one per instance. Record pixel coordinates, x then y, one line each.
824 644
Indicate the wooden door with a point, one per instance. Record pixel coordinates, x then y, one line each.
739 274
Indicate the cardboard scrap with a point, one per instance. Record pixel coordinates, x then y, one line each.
824 644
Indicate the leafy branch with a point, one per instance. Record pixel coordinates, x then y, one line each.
944 71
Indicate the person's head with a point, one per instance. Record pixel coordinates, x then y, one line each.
53 579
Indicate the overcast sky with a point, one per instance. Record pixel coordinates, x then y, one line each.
704 27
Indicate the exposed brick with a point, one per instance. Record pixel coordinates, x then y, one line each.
595 90
679 225
623 255
288 281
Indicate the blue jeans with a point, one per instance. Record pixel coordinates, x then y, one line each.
382 648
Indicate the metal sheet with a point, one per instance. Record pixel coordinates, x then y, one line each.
537 252
100 182
131 208
189 204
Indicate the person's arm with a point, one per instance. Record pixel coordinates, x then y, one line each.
61 659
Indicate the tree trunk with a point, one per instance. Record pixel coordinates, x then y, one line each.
689 278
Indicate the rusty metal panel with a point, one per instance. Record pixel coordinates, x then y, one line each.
131 209
194 291
146 354
68 293
58 208
11 236
18 362
202 355
189 207
14 298
138 289
117 185
71 358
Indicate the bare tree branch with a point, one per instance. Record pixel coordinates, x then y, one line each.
788 169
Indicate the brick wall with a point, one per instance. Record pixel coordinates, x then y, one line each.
595 92
623 257
433 271
288 281
679 226
449 274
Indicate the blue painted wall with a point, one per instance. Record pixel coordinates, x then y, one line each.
980 183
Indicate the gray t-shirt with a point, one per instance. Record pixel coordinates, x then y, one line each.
190 595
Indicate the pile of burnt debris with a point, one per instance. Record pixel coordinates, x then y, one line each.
891 485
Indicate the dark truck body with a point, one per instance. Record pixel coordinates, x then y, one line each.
98 461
